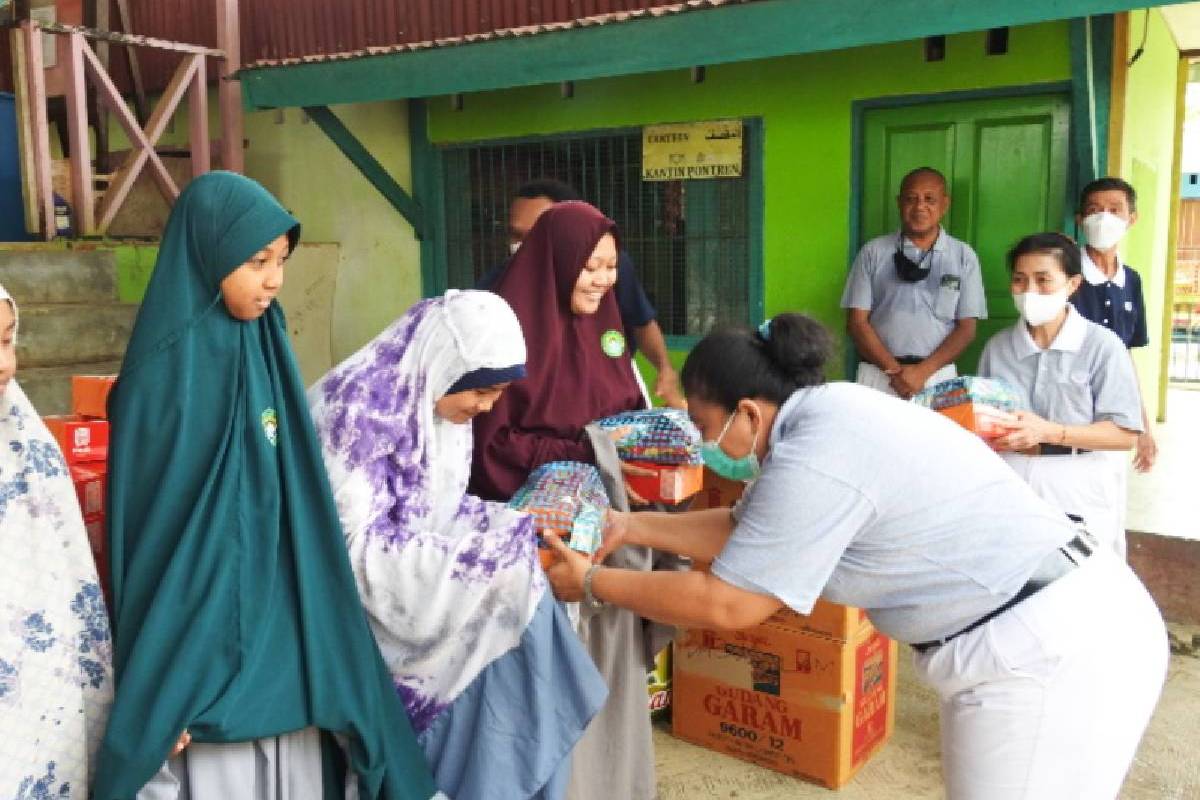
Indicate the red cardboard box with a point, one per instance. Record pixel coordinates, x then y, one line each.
804 705
717 492
91 483
82 440
89 395
984 421
669 484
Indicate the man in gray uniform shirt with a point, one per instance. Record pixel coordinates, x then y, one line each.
913 296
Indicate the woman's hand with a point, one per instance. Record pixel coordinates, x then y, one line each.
636 499
1027 430
566 574
615 535
666 386
185 739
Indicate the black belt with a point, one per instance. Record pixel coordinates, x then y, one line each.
908 361
1075 551
1060 450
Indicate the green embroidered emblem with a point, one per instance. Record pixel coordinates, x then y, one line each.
270 423
613 343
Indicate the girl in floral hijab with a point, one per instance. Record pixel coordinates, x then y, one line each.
496 683
55 648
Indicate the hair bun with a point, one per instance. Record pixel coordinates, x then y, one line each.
799 346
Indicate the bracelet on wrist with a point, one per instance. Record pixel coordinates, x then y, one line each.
589 599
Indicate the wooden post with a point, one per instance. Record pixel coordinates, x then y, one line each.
81 150
229 90
100 9
198 117
40 133
135 71
29 188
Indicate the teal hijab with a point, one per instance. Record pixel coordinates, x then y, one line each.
236 615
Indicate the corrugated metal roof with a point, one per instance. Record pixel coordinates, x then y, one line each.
349 33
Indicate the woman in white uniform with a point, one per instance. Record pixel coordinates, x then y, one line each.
867 500
1077 384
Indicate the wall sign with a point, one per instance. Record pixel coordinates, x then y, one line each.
692 150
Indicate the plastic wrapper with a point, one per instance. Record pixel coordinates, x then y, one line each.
664 436
981 405
566 498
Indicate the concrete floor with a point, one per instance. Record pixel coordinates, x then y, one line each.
1158 501
1167 765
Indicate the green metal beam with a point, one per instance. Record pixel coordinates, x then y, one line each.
763 29
427 180
369 166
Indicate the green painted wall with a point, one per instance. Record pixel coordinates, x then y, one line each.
1147 157
379 269
806 106
379 272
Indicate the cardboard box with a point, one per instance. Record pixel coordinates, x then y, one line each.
658 684
91 484
717 492
833 621
803 705
669 484
81 440
982 420
89 395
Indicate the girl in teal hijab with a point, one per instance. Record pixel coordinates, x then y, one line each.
236 617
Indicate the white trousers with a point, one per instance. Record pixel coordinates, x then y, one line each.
1049 700
873 376
1090 485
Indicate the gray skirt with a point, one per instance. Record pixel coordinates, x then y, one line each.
284 767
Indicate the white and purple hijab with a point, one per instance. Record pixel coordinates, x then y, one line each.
55 647
449 581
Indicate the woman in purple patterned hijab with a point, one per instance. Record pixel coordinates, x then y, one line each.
497 685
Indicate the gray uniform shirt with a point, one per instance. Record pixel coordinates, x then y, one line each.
870 501
913 319
1085 375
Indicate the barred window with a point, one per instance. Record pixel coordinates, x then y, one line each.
690 240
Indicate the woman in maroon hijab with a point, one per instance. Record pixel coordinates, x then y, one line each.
577 371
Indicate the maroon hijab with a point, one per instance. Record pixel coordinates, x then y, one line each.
570 378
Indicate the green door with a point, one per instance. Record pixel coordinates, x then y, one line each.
1006 161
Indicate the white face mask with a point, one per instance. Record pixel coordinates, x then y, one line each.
513 247
1038 309
1104 229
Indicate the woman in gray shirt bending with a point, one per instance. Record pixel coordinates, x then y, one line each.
867 500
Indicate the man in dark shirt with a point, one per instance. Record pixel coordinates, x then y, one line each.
637 314
1111 292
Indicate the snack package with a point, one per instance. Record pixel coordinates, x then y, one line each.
664 436
981 405
567 498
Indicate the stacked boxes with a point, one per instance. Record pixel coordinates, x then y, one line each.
83 438
810 706
808 695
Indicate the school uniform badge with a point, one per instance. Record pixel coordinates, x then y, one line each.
270 424
612 342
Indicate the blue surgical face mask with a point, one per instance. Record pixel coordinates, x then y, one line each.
743 469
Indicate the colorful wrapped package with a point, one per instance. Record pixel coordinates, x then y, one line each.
567 498
664 442
981 405
656 436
